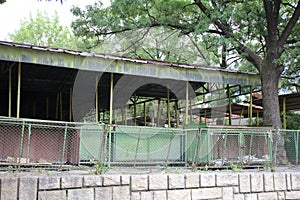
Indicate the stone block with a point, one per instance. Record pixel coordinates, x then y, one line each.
207 193
104 193
92 181
158 182
139 182
238 197
227 193
292 195
111 180
269 182
71 181
267 196
147 195
280 195
159 195
49 183
9 188
27 188
192 180
125 179
121 193
257 182
207 180
245 185
52 195
176 181
179 194
250 197
280 181
135 196
228 179
81 194
295 179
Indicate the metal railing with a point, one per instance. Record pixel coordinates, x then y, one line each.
40 142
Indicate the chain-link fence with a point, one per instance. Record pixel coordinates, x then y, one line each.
292 145
220 147
38 142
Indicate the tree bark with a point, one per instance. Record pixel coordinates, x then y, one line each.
270 76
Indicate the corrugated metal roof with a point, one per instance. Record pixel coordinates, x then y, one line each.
119 58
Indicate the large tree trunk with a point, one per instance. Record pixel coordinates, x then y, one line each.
270 76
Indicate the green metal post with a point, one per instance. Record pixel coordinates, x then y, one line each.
241 145
21 144
28 143
168 107
224 146
64 145
109 145
296 135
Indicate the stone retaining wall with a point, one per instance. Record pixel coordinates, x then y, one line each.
189 186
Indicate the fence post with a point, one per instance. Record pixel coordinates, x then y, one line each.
297 146
21 144
28 143
64 145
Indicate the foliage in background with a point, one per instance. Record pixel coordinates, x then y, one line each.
292 120
44 30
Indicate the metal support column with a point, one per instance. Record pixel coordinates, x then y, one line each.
111 99
19 90
229 104
250 108
284 113
186 102
9 91
96 101
145 114
168 107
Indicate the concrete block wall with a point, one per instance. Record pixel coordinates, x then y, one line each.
189 186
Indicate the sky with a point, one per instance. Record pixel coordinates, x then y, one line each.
13 11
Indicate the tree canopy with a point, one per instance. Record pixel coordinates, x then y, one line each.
45 31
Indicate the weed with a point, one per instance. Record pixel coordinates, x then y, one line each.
100 168
236 168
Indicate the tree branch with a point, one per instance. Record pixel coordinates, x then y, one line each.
288 29
227 33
